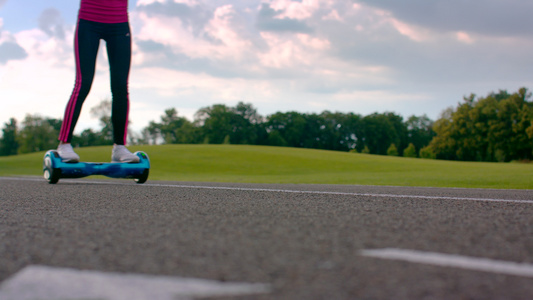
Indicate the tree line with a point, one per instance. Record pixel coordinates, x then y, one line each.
493 128
38 133
241 124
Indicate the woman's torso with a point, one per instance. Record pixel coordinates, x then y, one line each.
104 11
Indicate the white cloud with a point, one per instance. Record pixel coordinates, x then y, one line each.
148 2
53 51
333 15
295 10
42 82
320 51
464 37
310 55
232 45
411 32
283 52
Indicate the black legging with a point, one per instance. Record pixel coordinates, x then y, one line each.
86 43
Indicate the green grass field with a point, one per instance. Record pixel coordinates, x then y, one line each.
258 164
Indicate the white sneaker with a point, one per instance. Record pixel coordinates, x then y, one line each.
121 154
67 154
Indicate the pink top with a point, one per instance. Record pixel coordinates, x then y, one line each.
104 11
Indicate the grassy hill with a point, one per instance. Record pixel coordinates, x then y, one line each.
258 164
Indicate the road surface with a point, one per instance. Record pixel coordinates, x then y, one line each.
185 240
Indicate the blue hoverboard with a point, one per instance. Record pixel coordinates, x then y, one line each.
54 168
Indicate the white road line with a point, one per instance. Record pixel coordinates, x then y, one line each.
294 191
344 193
454 261
42 282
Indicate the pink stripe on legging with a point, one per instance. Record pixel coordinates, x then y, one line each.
127 118
71 106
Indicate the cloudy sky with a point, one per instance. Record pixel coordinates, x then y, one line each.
412 57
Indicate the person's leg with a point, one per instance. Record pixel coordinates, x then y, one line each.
118 40
86 43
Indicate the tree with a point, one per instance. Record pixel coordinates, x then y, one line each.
246 124
392 150
442 144
494 128
38 134
428 153
103 113
248 112
400 129
216 122
241 123
152 133
340 131
379 133
468 138
514 117
410 151
275 139
8 143
187 133
290 126
170 127
86 139
419 131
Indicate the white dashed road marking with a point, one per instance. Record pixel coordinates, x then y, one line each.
454 261
42 282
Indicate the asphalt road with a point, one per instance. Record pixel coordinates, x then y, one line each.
303 241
